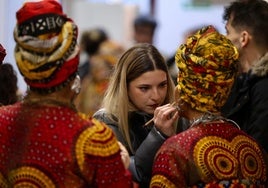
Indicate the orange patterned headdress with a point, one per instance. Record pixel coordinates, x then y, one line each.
46 50
207 67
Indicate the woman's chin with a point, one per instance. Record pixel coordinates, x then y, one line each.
149 111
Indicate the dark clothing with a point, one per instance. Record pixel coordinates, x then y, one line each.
145 142
233 96
248 102
84 69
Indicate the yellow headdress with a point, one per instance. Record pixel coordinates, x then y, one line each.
207 67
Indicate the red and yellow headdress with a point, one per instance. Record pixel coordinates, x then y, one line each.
46 50
207 67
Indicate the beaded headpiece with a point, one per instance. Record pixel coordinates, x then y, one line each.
207 67
46 50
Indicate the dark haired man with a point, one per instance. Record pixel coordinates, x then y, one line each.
144 29
247 28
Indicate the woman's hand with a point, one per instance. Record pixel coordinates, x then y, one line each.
164 119
124 155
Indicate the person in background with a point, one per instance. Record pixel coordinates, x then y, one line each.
8 81
144 29
45 141
95 83
140 90
247 28
213 151
90 42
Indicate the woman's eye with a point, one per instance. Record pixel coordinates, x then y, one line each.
144 88
163 84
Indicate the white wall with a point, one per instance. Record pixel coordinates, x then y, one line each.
176 17
114 18
8 10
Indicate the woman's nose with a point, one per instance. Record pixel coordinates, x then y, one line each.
155 94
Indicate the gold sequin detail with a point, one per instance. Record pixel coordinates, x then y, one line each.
218 157
3 182
91 142
30 177
161 181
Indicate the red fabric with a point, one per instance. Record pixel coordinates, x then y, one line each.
32 9
67 69
49 146
2 53
210 155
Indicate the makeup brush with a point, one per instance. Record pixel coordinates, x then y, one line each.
151 120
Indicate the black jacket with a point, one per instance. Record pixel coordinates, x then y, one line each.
248 102
145 141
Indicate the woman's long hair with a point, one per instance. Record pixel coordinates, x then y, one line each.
132 64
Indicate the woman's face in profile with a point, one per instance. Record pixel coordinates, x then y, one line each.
148 91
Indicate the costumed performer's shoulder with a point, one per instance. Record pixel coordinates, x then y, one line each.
98 140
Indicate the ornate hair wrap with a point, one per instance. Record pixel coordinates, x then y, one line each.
46 49
2 54
207 67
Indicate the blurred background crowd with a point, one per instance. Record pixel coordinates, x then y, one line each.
174 19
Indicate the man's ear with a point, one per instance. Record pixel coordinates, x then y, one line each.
245 38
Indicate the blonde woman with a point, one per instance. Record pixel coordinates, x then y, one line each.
141 89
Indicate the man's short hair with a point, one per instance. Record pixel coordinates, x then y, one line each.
145 20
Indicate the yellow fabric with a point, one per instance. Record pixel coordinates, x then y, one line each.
37 176
207 66
28 62
161 181
91 142
45 43
211 152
